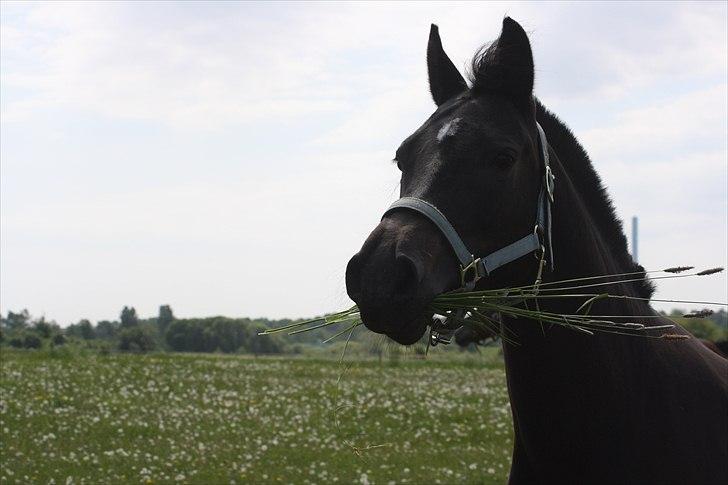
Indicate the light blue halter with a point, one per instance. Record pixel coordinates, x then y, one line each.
473 269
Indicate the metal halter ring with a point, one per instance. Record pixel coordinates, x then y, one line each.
472 266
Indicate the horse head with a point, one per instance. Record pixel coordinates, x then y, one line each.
476 159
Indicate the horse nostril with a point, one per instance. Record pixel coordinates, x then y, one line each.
353 277
408 273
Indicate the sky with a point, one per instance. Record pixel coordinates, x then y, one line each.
229 158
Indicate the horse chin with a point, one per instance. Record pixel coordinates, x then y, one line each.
408 333
409 337
403 324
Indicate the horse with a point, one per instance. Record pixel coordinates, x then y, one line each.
586 409
712 346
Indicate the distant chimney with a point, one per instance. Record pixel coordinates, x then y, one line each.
634 239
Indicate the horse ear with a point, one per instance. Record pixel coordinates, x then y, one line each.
507 65
445 80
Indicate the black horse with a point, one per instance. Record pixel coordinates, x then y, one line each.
586 409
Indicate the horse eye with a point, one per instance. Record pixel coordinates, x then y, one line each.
504 159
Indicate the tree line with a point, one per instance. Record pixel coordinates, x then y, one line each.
214 334
134 334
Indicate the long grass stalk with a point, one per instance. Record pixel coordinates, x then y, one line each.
477 307
467 296
327 320
339 334
674 270
546 287
321 325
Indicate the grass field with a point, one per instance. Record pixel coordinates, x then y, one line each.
211 419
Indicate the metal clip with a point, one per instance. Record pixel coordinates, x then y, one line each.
541 265
441 332
538 231
437 338
549 178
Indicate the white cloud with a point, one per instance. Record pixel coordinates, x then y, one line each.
684 124
212 155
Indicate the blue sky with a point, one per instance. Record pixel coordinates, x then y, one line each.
228 158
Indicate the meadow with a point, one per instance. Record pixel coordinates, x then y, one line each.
206 418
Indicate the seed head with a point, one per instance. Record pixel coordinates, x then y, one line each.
700 314
706 272
678 269
675 336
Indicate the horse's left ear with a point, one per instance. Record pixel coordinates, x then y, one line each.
507 65
445 80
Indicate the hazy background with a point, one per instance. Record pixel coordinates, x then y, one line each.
229 158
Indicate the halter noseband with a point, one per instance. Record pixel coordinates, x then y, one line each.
473 269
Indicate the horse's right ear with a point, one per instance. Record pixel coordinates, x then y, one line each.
445 80
507 65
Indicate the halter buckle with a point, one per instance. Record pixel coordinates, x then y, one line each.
471 268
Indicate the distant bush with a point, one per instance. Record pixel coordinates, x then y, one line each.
106 330
129 317
43 328
703 328
58 339
136 339
104 348
31 341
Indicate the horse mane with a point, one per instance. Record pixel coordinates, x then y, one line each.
576 162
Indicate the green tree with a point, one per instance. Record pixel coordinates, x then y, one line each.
31 341
176 335
16 321
702 328
720 318
42 328
129 317
106 330
265 344
58 339
136 339
86 330
165 318
83 329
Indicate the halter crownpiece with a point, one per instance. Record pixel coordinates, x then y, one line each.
473 269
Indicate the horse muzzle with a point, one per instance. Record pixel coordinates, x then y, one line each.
396 275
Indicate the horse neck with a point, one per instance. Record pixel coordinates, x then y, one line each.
582 249
551 360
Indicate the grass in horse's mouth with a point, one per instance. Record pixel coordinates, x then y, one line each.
478 307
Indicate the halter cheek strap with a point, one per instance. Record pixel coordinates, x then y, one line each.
538 242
